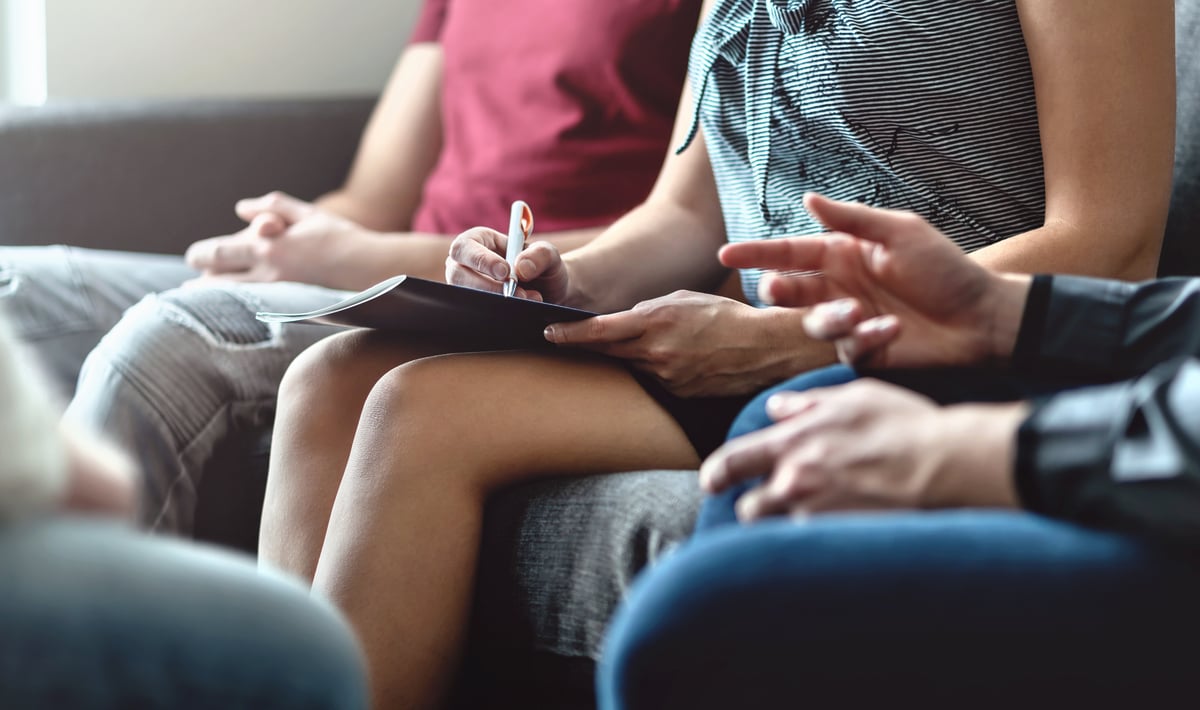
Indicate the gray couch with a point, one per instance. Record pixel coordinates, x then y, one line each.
155 176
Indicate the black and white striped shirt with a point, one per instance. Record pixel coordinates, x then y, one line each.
924 105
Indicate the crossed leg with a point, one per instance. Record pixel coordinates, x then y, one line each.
400 529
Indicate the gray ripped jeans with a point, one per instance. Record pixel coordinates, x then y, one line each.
168 372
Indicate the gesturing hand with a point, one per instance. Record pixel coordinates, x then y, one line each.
870 446
892 291
286 240
476 260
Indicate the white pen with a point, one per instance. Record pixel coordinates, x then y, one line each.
520 226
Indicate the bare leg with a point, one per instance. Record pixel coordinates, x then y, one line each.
320 400
437 435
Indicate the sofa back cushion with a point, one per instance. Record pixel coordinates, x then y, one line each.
1181 245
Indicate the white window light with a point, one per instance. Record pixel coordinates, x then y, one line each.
23 50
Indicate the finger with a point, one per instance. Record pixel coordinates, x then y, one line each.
459 275
221 254
611 328
210 278
539 260
868 338
529 294
267 224
785 405
481 250
789 253
832 320
764 502
859 220
787 488
279 203
742 459
793 290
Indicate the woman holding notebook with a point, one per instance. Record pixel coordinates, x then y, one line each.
1037 134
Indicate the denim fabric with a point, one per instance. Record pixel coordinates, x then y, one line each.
95 616
719 509
930 610
170 373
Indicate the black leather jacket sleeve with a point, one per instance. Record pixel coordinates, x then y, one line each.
1124 455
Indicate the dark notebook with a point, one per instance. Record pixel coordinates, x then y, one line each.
411 305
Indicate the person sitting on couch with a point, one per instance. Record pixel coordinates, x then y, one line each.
383 459
566 105
95 615
1017 529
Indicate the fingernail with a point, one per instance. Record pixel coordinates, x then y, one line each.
524 271
764 291
551 333
708 473
841 309
786 401
500 272
745 510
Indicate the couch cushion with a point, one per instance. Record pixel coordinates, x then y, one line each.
1181 245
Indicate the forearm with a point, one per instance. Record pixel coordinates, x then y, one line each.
660 247
1104 251
355 208
780 333
1099 328
1123 456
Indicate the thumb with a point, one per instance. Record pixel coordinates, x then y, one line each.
856 219
281 204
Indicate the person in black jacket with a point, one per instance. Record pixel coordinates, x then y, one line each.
1067 407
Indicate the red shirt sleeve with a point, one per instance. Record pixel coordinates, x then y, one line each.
429 22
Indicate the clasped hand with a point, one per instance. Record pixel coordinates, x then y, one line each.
286 239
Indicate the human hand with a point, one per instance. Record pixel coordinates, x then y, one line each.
869 445
892 290
477 260
695 344
100 479
286 239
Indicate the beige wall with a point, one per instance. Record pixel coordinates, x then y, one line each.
187 48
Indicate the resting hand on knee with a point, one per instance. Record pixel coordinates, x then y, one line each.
868 446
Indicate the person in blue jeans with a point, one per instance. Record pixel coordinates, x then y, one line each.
1016 526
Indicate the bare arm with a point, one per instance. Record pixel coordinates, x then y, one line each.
399 146
398 152
360 233
1105 76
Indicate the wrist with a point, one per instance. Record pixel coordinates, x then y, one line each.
785 346
578 293
1006 300
976 468
354 260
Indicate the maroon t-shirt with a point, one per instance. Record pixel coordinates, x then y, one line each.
566 104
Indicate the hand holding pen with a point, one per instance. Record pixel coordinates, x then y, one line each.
485 259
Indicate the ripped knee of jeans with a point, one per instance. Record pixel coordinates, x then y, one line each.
8 280
220 313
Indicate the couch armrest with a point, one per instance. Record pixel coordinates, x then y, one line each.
155 176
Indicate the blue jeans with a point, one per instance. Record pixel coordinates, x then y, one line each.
96 616
949 609
931 610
